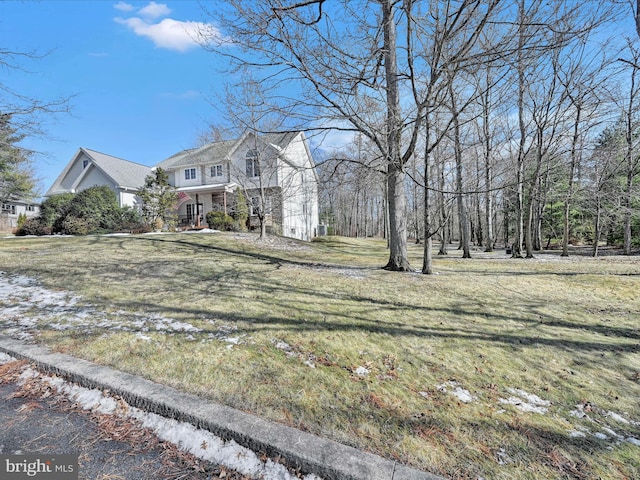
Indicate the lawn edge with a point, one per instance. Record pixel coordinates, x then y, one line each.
308 452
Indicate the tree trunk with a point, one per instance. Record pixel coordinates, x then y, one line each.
462 210
488 170
398 257
427 256
597 226
572 170
517 244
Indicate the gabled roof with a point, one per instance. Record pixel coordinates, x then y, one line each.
197 156
221 150
125 174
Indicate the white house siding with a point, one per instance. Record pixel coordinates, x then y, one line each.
9 215
129 199
300 206
94 177
238 166
74 172
180 181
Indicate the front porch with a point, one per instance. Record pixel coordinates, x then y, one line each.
195 202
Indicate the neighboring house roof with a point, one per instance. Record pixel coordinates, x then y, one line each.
221 150
125 174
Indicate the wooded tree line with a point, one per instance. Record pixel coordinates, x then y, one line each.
487 122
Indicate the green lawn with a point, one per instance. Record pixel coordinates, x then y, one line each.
493 367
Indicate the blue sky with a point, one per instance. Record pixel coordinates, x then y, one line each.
142 86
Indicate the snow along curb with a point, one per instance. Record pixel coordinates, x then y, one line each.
312 454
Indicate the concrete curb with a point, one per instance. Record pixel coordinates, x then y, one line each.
310 453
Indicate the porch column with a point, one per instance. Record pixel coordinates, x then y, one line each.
197 211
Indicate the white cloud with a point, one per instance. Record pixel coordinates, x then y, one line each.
154 10
169 33
124 7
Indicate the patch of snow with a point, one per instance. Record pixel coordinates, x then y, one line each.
578 413
526 402
201 443
4 358
460 393
25 305
618 418
613 434
577 434
633 441
601 436
362 371
283 346
524 406
529 397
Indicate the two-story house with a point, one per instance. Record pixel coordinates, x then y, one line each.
275 172
11 211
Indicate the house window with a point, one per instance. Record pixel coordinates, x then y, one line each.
190 174
31 208
216 171
7 207
85 162
253 165
256 204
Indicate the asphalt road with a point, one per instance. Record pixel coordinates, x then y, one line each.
108 447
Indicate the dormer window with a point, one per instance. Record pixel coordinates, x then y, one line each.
216 170
190 174
253 165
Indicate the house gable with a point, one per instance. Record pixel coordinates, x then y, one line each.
90 168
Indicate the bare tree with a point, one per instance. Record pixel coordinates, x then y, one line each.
631 157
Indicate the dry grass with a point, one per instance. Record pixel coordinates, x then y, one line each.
318 337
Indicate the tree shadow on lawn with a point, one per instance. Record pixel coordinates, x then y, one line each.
270 259
351 312
468 331
358 312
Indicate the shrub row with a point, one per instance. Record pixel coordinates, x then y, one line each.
94 210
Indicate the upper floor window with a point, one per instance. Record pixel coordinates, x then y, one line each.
85 162
253 165
7 207
190 174
216 170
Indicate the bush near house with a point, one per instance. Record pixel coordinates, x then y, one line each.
34 226
240 210
221 221
94 210
22 218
